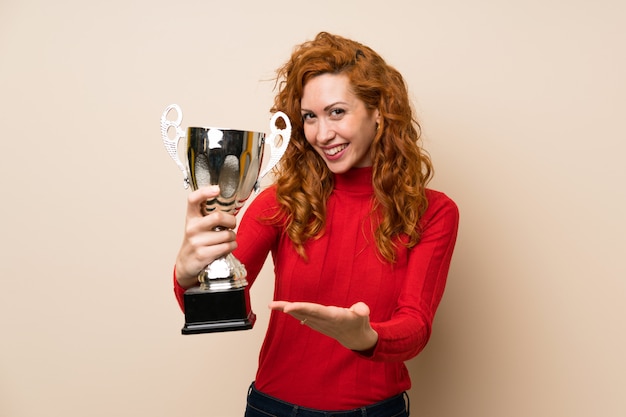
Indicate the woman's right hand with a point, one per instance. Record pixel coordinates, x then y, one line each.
202 243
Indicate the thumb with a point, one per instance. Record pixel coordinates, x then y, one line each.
360 309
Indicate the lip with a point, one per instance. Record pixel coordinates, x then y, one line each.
335 156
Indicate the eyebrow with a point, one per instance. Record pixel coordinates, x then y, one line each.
303 110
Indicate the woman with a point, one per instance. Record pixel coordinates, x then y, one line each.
361 247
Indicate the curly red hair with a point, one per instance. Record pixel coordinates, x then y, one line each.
400 168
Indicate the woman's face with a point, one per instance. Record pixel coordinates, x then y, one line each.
336 123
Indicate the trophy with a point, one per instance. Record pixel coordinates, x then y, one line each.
231 159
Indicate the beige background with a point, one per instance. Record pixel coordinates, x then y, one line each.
523 109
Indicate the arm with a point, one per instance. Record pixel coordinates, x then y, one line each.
257 235
405 333
408 330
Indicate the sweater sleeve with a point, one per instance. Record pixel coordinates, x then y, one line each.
406 333
256 235
179 292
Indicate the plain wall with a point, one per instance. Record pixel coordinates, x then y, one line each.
522 107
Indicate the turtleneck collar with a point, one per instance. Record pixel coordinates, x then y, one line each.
357 180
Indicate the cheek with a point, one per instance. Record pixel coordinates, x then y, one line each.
369 133
309 134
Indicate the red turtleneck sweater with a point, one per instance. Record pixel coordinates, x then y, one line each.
304 367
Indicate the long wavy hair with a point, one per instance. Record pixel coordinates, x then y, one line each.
400 167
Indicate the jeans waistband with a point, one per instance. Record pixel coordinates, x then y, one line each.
394 406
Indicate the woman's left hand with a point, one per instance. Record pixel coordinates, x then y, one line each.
349 326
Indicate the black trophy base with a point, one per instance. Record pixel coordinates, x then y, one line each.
217 311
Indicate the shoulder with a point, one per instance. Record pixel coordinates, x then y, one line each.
438 197
264 202
267 195
440 205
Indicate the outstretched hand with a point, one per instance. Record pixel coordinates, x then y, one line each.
349 326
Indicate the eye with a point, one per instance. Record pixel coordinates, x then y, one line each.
307 116
337 113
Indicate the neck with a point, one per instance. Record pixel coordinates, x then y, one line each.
355 180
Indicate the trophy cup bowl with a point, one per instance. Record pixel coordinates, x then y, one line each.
232 160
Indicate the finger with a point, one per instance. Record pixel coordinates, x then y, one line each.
201 231
208 254
196 199
299 311
277 305
219 219
302 308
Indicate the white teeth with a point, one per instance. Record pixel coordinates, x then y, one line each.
336 150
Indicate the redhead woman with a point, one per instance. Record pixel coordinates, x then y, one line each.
361 247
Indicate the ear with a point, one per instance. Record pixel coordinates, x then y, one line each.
377 116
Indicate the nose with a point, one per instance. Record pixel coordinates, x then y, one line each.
324 131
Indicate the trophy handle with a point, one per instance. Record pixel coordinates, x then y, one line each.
277 151
171 145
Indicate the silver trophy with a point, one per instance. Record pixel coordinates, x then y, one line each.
231 159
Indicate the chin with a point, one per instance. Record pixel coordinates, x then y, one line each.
338 168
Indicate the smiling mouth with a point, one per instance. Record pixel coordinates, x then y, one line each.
334 151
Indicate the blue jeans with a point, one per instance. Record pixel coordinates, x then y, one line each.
261 405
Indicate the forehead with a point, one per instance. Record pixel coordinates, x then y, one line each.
327 89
